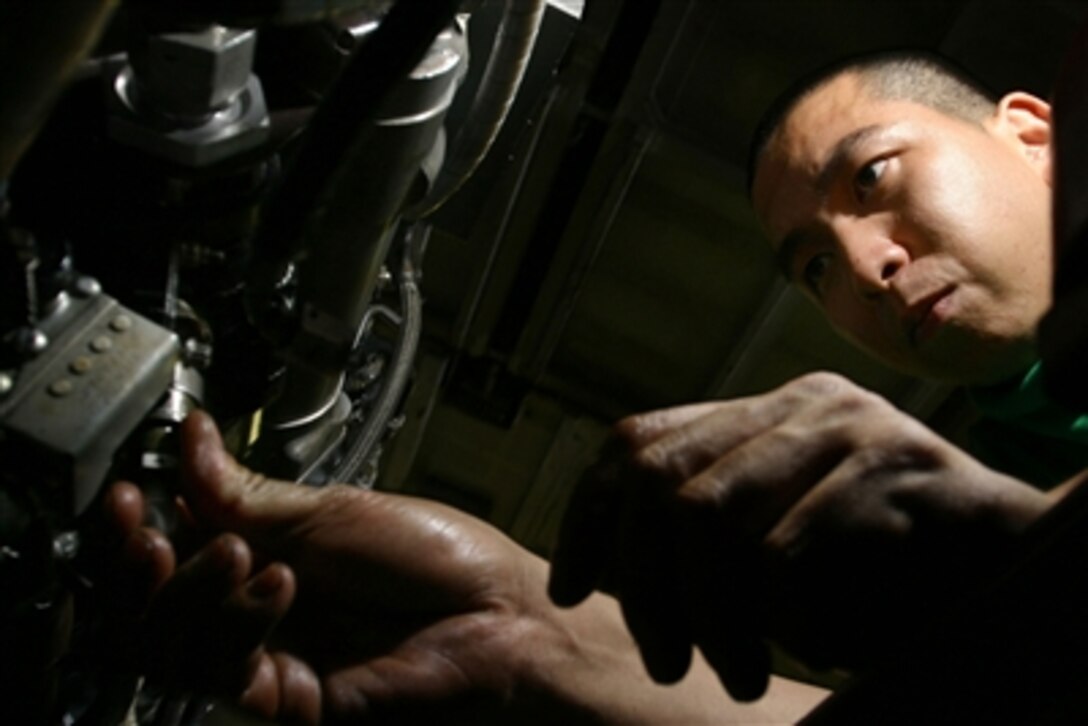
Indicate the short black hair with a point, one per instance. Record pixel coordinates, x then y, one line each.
913 75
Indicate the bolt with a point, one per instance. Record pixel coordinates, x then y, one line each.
60 388
121 323
385 279
190 75
66 545
80 365
197 354
30 341
87 286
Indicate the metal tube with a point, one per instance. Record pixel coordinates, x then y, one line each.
499 85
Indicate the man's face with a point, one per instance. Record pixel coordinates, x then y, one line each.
924 238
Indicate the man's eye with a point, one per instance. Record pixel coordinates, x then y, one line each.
868 177
814 271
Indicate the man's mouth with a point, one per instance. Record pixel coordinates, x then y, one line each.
926 316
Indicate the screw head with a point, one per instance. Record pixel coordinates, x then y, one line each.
87 286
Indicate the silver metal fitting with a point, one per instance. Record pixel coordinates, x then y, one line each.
86 286
190 76
197 354
190 98
29 342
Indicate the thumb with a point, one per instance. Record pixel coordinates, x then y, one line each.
223 494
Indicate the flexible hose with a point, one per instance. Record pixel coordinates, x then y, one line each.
404 354
498 86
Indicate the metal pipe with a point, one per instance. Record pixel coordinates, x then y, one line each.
339 128
498 87
350 234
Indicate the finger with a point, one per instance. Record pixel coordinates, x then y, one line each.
222 493
588 533
643 429
648 591
176 626
728 618
742 662
647 586
134 571
685 450
209 623
754 485
659 629
103 541
123 508
684 441
840 549
150 560
285 689
722 515
722 583
243 624
586 546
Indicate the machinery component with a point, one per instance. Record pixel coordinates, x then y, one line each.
337 131
68 412
191 97
269 274
362 446
338 276
501 80
255 12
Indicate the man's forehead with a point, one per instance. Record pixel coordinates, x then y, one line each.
837 105
795 154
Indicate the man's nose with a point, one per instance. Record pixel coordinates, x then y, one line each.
873 258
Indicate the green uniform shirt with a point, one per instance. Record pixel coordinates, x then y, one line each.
1026 434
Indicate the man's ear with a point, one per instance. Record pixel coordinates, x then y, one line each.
1023 121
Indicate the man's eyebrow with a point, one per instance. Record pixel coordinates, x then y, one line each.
836 160
840 155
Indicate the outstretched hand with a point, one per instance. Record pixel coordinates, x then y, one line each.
402 605
817 515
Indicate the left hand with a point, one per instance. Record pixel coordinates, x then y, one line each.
817 515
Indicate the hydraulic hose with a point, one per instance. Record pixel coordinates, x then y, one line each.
404 354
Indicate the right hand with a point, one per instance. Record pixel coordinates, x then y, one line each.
817 516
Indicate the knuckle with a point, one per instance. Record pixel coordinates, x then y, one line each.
702 491
653 461
781 547
820 383
631 430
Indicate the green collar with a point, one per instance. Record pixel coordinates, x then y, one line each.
1024 400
